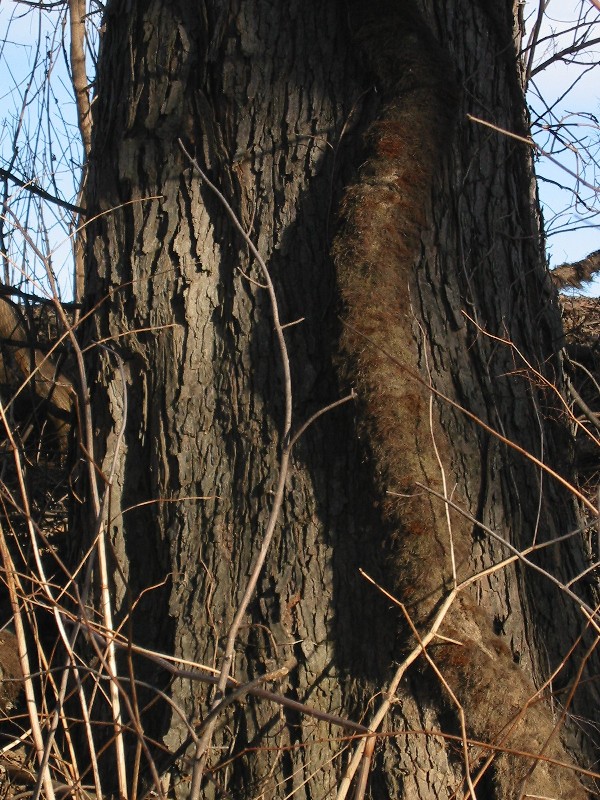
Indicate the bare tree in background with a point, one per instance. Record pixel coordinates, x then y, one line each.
567 136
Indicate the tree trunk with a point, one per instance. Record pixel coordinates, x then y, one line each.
292 109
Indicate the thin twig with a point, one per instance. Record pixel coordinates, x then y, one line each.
31 187
287 442
227 660
521 555
528 141
474 418
206 675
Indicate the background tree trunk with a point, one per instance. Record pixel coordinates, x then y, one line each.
273 101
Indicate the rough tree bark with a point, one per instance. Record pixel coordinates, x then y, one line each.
285 106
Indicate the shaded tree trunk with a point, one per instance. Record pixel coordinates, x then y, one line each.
286 106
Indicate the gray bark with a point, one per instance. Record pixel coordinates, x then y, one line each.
273 100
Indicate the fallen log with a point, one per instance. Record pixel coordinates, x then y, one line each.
24 363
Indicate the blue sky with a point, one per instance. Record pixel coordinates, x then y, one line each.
40 113
572 220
